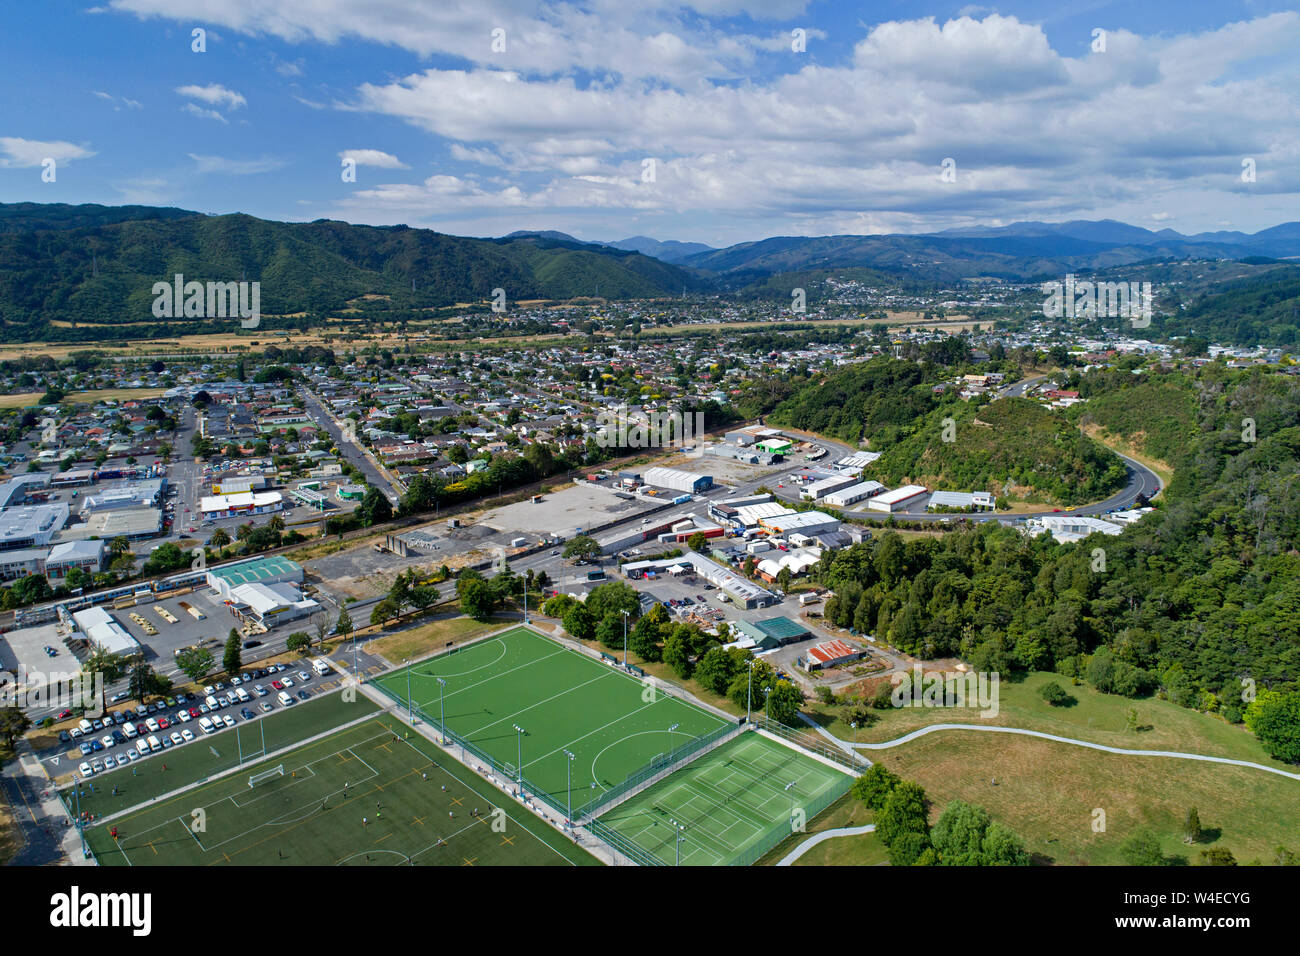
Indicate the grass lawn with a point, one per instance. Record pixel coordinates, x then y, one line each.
847 811
1048 792
427 638
730 801
208 754
29 399
368 795
611 722
1096 717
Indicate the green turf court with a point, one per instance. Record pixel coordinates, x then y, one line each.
731 801
609 720
416 803
212 753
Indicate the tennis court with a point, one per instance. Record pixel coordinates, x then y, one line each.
728 804
367 795
563 700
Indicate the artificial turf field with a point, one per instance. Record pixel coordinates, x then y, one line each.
416 802
728 800
611 722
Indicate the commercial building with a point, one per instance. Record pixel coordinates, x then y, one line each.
31 526
749 516
1067 528
249 503
961 499
270 604
135 494
833 653
66 555
73 478
858 461
740 589
900 499
129 523
270 570
853 493
804 522
676 480
776 446
15 491
824 486
103 631
238 484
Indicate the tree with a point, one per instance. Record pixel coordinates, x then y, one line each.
1192 827
1142 849
580 622
784 701
142 682
219 538
385 610
344 624
478 598
909 849
643 640
195 663
231 661
1218 856
298 641
610 631
583 547
875 786
109 666
904 811
320 626
697 541
1055 694
13 724
614 597
1274 717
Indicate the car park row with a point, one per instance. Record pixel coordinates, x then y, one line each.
131 735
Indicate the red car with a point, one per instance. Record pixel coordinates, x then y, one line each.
64 714
163 723
195 713
277 685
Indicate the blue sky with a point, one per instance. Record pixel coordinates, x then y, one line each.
695 121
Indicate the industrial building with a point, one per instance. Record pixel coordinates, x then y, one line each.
1066 528
15 491
961 499
796 562
804 522
271 570
858 461
740 589
136 494
824 486
103 631
129 523
853 493
833 653
249 503
66 555
31 526
900 499
238 484
675 480
270 604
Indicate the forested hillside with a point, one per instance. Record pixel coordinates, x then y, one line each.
1189 602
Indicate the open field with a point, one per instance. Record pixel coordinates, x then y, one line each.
729 801
207 755
612 723
431 637
847 811
1096 717
28 399
1049 793
369 795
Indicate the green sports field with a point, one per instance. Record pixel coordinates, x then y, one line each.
730 802
611 722
417 806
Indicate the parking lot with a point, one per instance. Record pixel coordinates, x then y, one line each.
127 735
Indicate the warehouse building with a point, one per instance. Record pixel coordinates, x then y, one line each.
750 516
853 493
136 494
981 500
900 499
825 486
740 589
1067 528
249 503
675 480
270 604
834 653
66 555
15 491
858 461
31 526
804 522
238 484
103 632
129 523
271 570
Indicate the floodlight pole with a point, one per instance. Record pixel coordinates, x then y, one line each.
442 710
625 615
749 692
81 831
680 828
519 767
410 718
569 767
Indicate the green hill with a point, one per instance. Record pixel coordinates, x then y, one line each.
97 265
1009 446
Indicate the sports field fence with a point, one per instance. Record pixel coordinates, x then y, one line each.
813 743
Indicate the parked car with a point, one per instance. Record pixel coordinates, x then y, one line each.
303 695
63 715
176 738
65 737
247 714
259 690
85 748
278 685
85 770
230 721
266 705
187 735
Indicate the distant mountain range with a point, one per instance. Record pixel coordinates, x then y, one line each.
67 272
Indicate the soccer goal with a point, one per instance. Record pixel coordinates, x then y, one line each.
255 779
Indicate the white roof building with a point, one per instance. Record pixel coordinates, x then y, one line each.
103 631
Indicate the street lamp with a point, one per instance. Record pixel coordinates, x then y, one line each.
789 787
569 768
625 616
406 662
767 696
442 710
749 691
519 767
680 828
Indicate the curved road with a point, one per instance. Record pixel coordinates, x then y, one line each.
822 837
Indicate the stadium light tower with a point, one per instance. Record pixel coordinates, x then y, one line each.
410 718
767 697
442 710
569 768
749 692
680 828
625 615
519 767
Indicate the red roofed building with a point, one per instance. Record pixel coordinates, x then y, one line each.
833 653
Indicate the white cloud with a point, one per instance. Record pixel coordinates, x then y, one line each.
118 102
373 157
21 153
236 167
214 94
200 112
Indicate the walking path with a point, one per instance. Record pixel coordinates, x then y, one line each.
822 837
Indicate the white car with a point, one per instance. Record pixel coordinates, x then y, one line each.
286 681
184 717
209 691
97 767
187 735
177 738
230 721
133 754
304 676
110 762
152 725
107 740
77 732
85 770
